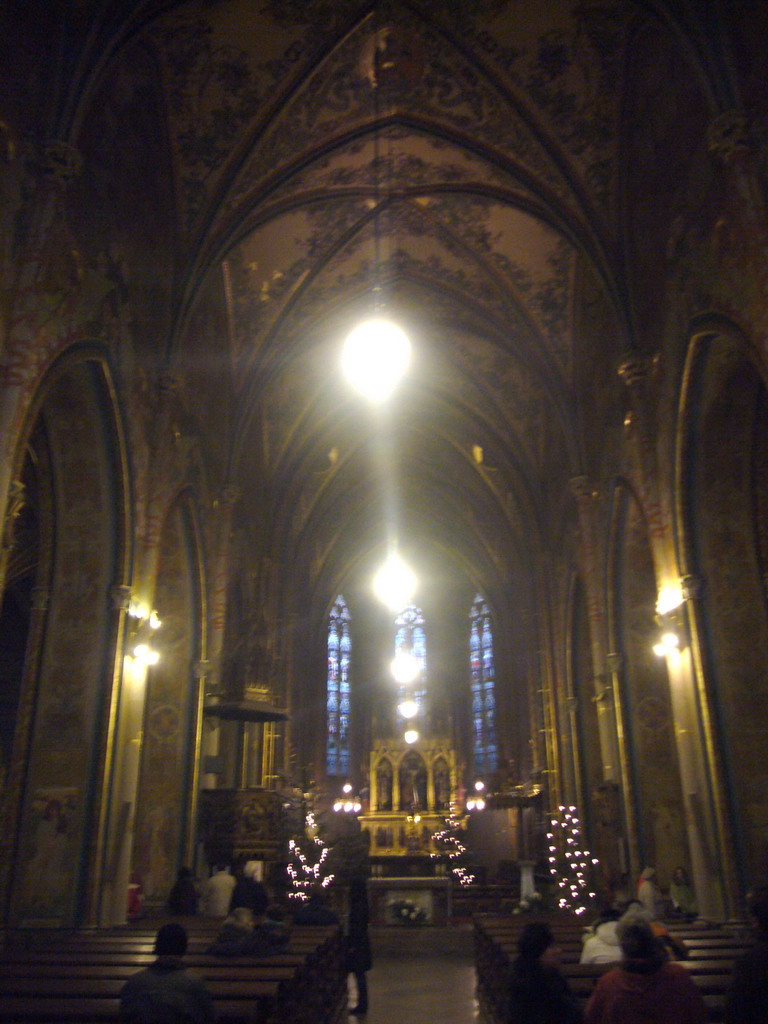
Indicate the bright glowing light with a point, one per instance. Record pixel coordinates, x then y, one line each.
408 708
405 667
480 804
347 787
670 597
394 583
479 786
375 357
154 621
668 644
145 654
411 736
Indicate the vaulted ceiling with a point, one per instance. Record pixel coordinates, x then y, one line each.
468 157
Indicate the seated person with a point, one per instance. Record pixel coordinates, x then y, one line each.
245 934
681 894
538 992
182 898
645 986
747 998
601 943
164 993
314 911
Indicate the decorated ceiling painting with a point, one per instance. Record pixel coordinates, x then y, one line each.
462 166
462 158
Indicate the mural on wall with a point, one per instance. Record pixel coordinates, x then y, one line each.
46 874
71 695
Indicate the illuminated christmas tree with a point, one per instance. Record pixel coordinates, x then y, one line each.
570 862
448 842
307 862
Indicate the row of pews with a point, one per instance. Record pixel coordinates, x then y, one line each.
711 954
77 978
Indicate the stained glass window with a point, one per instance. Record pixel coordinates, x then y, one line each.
339 647
411 639
483 699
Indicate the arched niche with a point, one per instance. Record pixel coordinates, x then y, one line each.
383 776
723 482
412 782
652 774
166 799
72 552
441 782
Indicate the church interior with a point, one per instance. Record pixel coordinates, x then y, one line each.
384 436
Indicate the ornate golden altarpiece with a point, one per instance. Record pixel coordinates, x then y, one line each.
413 787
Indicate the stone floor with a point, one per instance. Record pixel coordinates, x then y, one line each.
420 976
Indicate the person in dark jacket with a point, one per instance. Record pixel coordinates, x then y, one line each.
538 993
182 898
164 993
747 999
249 892
358 943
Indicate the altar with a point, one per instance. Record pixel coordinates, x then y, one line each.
404 901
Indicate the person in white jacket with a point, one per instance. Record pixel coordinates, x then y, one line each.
601 944
217 892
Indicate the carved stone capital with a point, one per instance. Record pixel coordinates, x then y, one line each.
120 595
580 486
16 501
201 669
692 586
729 137
614 661
634 371
62 160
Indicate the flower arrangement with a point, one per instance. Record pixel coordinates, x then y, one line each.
407 912
530 903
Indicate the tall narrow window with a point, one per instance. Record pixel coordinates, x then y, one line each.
339 647
483 700
411 639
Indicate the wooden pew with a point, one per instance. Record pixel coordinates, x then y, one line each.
711 956
80 979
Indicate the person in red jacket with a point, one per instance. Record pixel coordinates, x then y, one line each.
647 986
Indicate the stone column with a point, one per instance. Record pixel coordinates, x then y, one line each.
615 662
109 877
634 371
584 496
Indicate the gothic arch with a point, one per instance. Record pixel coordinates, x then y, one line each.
722 503
75 554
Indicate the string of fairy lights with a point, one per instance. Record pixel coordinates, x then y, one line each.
448 839
306 874
567 851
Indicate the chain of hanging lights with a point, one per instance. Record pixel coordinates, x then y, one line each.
453 848
573 883
306 875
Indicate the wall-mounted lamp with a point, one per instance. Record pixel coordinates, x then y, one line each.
348 804
143 622
671 637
